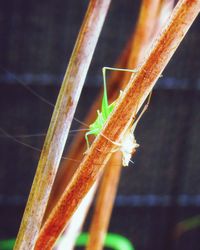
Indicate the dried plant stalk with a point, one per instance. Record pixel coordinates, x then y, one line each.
142 39
165 11
143 34
60 123
132 98
71 233
104 203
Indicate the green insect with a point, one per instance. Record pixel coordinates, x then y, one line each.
128 143
106 109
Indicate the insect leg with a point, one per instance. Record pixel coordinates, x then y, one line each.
114 69
119 69
112 151
142 112
113 142
86 138
105 106
91 132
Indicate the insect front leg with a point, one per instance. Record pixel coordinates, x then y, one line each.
92 132
87 140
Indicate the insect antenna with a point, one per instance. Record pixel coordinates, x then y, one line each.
18 141
13 138
71 132
35 93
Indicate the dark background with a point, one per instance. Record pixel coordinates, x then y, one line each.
163 186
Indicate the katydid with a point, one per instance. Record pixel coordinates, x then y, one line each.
128 144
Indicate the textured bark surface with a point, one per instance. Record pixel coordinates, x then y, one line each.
132 98
60 123
104 203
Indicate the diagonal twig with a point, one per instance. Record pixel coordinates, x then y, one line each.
104 203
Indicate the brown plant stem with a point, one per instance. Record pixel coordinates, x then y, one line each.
165 10
74 227
106 195
60 123
143 34
104 203
132 98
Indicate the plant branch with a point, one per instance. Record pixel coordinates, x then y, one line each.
104 203
165 11
73 229
143 34
60 123
131 99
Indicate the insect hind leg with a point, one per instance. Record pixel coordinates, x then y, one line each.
142 112
115 69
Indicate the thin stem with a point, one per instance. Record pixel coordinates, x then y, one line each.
143 35
136 92
60 123
165 10
72 231
104 203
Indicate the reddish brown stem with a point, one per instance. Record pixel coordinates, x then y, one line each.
143 34
104 203
132 98
165 11
60 123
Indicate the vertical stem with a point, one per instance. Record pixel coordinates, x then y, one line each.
104 203
143 34
60 123
165 11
